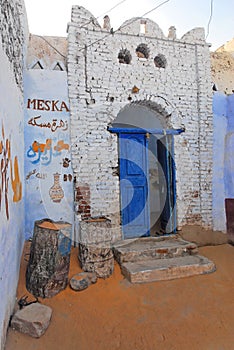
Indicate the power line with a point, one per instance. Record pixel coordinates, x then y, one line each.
119 3
134 20
104 13
153 9
211 15
53 47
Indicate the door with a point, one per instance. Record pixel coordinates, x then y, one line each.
134 188
165 147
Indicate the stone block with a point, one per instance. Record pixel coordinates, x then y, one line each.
32 320
152 248
166 269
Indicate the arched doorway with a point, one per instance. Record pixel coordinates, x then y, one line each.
146 170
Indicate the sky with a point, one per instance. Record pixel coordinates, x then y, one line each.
50 17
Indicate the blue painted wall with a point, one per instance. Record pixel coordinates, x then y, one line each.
229 149
47 148
223 160
11 189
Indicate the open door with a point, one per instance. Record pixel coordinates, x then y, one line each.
165 149
134 188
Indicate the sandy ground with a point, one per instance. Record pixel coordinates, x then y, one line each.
190 313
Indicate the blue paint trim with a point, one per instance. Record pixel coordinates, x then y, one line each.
143 131
174 184
148 184
168 168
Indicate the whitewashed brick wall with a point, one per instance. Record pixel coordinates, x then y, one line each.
100 86
14 27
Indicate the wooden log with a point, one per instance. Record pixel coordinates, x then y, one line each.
96 259
95 251
48 266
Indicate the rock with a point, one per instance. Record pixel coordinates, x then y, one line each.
33 320
82 280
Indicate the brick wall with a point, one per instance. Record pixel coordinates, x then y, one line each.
82 199
100 86
13 22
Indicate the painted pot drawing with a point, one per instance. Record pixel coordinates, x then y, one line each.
56 192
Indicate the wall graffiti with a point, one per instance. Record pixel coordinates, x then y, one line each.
56 192
30 174
38 175
16 184
9 173
47 148
47 105
66 162
53 126
43 152
67 177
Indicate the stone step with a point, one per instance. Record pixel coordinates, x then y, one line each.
166 269
152 248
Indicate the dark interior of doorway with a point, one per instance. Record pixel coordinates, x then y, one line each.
162 185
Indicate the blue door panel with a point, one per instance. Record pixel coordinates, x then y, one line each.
132 211
133 158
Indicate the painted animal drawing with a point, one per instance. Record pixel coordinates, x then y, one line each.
9 173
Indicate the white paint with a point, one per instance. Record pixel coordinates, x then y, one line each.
183 90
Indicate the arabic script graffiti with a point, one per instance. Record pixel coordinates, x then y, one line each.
53 126
7 166
43 152
37 175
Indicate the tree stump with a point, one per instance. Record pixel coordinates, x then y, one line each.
95 252
48 266
97 259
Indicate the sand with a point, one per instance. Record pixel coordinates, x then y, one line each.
191 313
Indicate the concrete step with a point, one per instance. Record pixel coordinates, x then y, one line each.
166 269
152 248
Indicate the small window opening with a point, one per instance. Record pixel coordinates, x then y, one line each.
143 26
160 61
142 51
124 56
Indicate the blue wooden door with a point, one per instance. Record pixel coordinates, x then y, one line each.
134 188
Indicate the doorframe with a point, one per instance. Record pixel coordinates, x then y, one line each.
173 132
